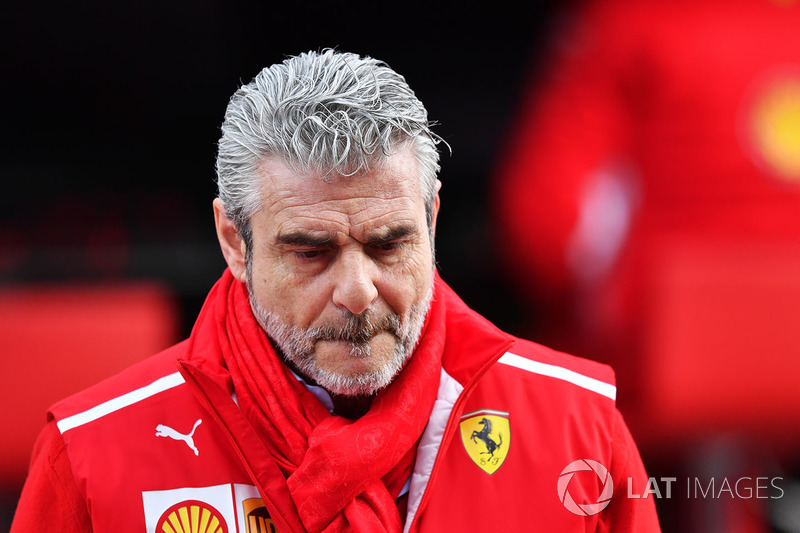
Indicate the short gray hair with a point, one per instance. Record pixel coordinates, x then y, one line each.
323 111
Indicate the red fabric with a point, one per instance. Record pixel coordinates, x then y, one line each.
626 513
50 495
332 490
553 422
673 92
674 99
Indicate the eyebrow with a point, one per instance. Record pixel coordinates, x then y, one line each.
302 238
392 234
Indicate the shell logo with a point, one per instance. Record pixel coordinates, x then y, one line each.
192 516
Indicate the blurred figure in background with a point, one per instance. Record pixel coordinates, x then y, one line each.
648 207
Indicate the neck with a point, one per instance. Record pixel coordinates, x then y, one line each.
351 407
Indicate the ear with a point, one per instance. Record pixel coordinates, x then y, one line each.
231 243
436 203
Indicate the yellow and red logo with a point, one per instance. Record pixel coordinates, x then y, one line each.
256 517
772 125
192 516
486 435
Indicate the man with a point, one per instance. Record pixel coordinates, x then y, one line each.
333 382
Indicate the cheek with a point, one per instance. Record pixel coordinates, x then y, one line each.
297 302
408 284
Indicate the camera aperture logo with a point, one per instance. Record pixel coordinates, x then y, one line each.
578 484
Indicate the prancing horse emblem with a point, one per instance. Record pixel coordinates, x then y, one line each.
166 431
486 435
483 435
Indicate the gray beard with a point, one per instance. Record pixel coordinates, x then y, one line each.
297 344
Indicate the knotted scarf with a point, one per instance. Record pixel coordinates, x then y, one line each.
343 475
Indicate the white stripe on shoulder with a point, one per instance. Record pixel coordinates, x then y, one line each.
559 372
130 398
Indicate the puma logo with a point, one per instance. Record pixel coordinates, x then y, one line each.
166 431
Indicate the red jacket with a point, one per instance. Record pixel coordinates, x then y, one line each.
164 444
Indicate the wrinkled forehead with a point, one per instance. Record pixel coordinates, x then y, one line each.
361 206
388 177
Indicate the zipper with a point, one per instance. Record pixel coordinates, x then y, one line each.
449 432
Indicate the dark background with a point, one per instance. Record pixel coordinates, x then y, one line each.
111 114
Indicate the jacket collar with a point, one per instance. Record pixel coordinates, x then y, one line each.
472 343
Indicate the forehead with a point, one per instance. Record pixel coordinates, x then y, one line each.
390 193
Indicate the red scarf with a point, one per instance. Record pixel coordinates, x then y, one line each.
343 475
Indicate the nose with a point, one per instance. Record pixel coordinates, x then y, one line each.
354 288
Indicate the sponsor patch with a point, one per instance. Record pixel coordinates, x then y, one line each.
192 516
486 436
256 517
189 509
251 512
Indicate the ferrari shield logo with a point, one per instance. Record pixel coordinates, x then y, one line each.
486 435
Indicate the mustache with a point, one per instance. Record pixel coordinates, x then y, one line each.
357 329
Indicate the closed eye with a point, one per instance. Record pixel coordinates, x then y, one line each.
393 240
309 255
388 249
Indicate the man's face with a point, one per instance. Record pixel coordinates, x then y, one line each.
341 271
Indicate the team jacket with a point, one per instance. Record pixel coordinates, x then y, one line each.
521 438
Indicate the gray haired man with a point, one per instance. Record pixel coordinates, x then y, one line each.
344 386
